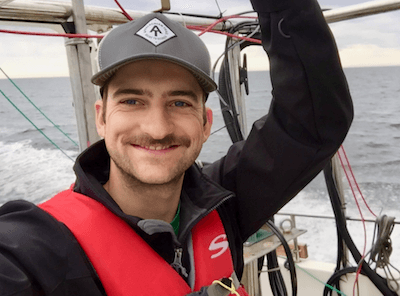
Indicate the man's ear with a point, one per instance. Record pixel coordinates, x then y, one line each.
100 124
207 126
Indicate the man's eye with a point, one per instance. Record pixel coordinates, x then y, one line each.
180 104
130 102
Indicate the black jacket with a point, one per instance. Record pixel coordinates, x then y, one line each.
309 117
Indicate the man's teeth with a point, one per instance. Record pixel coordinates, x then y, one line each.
156 148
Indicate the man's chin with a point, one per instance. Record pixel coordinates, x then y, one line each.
159 180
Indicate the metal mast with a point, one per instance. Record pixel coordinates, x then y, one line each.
80 69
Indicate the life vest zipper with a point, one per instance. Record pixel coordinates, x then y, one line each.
177 264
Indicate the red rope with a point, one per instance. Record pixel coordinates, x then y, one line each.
355 181
351 182
222 20
124 11
52 34
199 28
354 195
357 275
362 217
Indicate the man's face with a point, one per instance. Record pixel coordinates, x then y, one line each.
153 124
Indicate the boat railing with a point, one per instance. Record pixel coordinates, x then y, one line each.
327 217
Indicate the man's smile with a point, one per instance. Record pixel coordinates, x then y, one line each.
157 149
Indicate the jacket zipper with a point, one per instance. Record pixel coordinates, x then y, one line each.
177 264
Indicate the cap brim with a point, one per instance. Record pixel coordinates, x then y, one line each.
206 83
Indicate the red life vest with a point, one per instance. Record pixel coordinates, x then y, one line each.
125 263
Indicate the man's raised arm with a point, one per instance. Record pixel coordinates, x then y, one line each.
310 114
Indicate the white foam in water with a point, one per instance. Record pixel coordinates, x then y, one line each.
33 174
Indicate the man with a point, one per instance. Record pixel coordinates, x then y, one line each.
140 205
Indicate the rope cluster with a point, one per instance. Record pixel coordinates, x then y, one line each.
382 249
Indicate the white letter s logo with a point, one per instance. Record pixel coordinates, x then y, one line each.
223 245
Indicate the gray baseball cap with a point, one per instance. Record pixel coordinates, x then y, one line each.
156 37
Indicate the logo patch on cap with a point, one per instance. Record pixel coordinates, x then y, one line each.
156 32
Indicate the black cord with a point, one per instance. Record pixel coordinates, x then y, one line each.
289 256
228 107
219 9
276 281
335 279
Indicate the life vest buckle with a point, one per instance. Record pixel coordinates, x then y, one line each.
227 283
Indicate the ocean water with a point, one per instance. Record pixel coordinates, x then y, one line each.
31 168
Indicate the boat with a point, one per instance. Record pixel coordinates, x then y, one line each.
233 72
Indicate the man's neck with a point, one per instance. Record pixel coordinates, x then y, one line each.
146 201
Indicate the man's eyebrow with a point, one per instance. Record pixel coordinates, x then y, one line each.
184 93
132 91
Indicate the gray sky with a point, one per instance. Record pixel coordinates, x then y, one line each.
367 41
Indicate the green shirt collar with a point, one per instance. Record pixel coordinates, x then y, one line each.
177 219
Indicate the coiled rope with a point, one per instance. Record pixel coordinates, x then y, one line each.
382 249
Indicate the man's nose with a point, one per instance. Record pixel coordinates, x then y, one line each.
157 123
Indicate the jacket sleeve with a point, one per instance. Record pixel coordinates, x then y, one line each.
39 256
310 114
